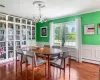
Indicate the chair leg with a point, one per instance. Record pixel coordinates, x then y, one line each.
26 70
64 68
33 68
45 69
64 74
60 73
21 67
53 71
69 67
50 71
57 74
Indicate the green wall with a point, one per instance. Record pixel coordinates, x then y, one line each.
38 34
89 18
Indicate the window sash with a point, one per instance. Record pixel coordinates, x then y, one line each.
71 41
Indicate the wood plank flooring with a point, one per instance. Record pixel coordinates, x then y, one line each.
79 71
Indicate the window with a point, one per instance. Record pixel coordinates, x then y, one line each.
65 34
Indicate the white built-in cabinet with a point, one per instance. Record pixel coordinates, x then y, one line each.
14 33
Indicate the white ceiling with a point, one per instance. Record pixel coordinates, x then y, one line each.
53 9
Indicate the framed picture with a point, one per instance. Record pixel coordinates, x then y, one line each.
43 31
98 28
89 29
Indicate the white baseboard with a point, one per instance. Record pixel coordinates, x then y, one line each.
90 61
6 60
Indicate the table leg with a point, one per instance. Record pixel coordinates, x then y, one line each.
48 68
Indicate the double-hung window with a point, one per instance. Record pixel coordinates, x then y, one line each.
65 34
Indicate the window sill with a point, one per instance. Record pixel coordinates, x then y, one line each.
72 47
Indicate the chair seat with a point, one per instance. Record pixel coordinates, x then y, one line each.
53 57
56 63
39 62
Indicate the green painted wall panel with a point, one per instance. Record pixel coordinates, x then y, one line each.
89 18
38 28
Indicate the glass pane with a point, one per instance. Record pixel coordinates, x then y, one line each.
23 32
23 21
71 37
70 40
10 37
29 22
2 17
70 28
10 49
10 18
28 32
2 50
33 23
33 32
17 37
17 20
10 44
17 27
2 31
23 42
17 32
10 29
10 54
58 34
17 44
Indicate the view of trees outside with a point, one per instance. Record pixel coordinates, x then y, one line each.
70 35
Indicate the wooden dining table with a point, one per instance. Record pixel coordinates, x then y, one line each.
47 52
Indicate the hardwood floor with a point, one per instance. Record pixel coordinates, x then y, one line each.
79 71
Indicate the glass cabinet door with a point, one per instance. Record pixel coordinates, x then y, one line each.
10 49
2 31
23 32
17 44
23 21
23 42
29 22
17 20
2 50
10 18
33 32
2 17
17 32
10 31
28 32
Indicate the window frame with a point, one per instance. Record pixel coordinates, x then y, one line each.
65 34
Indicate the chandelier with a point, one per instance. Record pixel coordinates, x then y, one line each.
40 5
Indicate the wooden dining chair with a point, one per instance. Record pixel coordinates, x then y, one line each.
34 61
53 57
41 55
20 58
60 63
47 46
57 47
